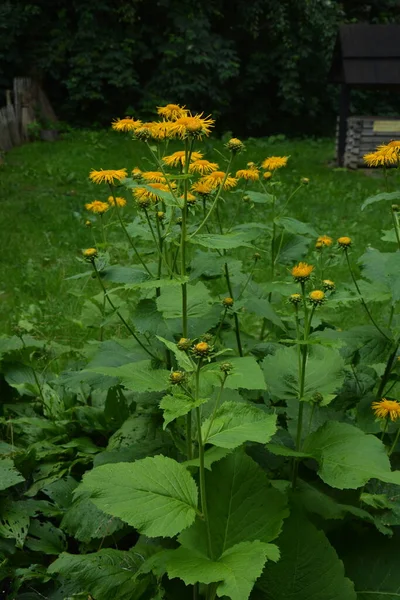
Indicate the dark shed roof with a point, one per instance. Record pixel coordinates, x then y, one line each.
367 55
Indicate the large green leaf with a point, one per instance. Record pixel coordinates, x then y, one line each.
383 268
324 373
14 521
348 457
120 274
297 227
246 373
227 241
138 376
242 507
383 196
169 303
309 567
45 537
105 574
177 405
9 475
236 423
263 308
156 495
84 521
237 569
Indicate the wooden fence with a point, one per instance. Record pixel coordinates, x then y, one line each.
25 103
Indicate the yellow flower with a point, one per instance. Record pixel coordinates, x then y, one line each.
250 174
160 215
97 207
192 125
184 344
228 302
302 272
235 145
153 176
274 162
190 198
126 124
316 297
384 156
145 194
344 241
136 173
217 178
161 130
202 188
295 299
328 285
201 349
204 167
394 144
177 377
385 409
267 175
177 159
90 253
118 201
171 112
109 176
324 240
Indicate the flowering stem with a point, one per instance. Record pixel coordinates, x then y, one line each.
183 243
216 406
121 318
388 369
159 251
396 439
384 428
128 237
221 187
248 279
396 226
311 417
235 316
220 324
161 167
361 297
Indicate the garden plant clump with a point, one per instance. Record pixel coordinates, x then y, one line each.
220 434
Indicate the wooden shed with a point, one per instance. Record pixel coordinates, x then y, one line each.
366 57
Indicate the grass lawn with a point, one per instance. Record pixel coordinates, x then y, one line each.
44 186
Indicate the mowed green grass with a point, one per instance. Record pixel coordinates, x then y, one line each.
44 187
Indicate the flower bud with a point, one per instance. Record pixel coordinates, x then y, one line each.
228 302
184 344
176 377
235 145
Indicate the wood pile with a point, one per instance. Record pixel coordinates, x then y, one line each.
25 103
364 134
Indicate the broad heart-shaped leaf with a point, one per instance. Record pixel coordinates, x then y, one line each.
309 567
384 268
349 457
227 241
9 475
262 308
177 405
84 521
324 373
294 247
237 569
105 574
372 562
212 455
138 376
182 358
236 423
387 196
169 302
242 507
296 227
155 495
246 373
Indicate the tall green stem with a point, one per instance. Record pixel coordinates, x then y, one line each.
183 243
396 439
396 226
387 371
235 316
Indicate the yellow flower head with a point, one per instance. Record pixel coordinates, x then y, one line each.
153 176
302 272
88 223
136 173
184 344
324 241
249 174
295 299
235 145
177 377
152 195
97 207
160 215
316 297
228 302
218 178
110 176
190 198
394 144
328 285
344 241
202 188
204 167
126 124
117 201
386 409
172 112
201 349
192 126
177 159
274 162
267 175
305 180
384 156
90 253
161 130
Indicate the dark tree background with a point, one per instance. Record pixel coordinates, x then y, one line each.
259 66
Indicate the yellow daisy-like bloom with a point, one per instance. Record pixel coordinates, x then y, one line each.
204 167
172 112
267 175
344 241
316 297
302 272
295 299
274 162
324 240
328 285
201 349
161 130
394 144
202 188
126 124
117 201
191 198
249 174
136 173
97 207
214 180
153 176
143 193
177 159
109 176
192 125
384 156
90 253
386 409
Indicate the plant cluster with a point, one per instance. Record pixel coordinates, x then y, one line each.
223 443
